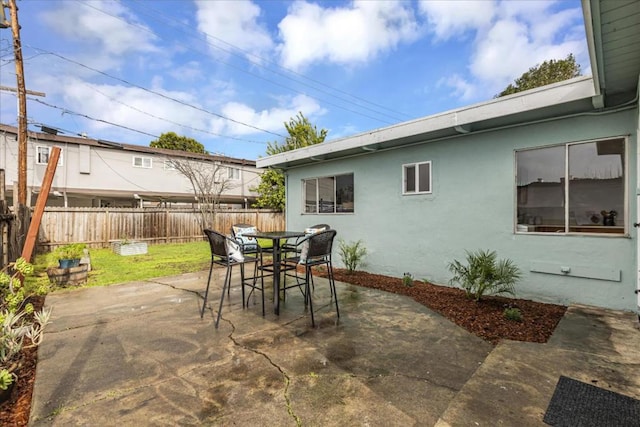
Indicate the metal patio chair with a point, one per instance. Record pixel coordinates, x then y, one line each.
315 250
227 252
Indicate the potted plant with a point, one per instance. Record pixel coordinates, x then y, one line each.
69 255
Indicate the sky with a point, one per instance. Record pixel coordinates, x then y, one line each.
231 73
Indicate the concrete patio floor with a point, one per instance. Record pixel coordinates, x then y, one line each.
139 354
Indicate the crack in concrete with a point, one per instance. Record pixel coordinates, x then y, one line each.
287 379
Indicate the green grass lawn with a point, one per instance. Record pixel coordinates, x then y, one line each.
108 268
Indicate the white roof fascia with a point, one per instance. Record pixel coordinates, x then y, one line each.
545 96
594 45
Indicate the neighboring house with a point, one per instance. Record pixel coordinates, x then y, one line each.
534 176
95 173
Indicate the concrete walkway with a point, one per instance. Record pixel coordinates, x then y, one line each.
139 354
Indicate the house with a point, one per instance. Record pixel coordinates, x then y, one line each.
96 173
547 178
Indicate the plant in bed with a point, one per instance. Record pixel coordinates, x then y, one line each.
485 274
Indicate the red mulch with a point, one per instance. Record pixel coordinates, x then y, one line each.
484 319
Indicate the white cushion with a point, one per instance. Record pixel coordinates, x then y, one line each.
233 251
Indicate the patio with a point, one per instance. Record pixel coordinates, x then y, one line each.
138 353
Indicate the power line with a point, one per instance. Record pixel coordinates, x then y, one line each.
67 111
288 70
154 92
259 64
168 120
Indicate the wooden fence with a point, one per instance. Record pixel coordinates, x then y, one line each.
97 227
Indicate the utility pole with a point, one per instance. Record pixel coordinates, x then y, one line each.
22 105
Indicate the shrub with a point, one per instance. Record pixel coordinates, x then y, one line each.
484 274
70 251
512 313
352 254
6 379
407 280
18 320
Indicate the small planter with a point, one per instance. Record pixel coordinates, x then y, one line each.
72 276
129 248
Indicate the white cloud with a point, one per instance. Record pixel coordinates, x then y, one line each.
125 106
187 72
271 119
454 18
519 35
346 35
462 88
113 33
236 23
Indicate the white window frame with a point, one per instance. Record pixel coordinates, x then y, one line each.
318 210
48 148
230 173
143 161
417 178
567 223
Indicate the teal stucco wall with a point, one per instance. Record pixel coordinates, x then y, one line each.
473 207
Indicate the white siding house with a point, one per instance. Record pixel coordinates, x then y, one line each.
94 173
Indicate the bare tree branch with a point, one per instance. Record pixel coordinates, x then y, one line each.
209 180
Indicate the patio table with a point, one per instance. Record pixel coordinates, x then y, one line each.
276 237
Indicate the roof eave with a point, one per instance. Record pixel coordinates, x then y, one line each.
459 120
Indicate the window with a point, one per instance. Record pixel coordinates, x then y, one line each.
142 162
333 194
572 188
43 153
169 165
233 173
416 178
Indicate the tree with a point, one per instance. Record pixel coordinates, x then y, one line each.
271 190
301 134
209 180
173 141
548 72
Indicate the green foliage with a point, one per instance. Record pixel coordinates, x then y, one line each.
484 274
271 190
512 313
70 251
352 254
407 280
18 320
301 134
548 72
173 141
6 379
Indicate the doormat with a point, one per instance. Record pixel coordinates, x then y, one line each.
575 403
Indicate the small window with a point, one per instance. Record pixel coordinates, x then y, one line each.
416 178
233 173
332 194
142 162
169 165
43 154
